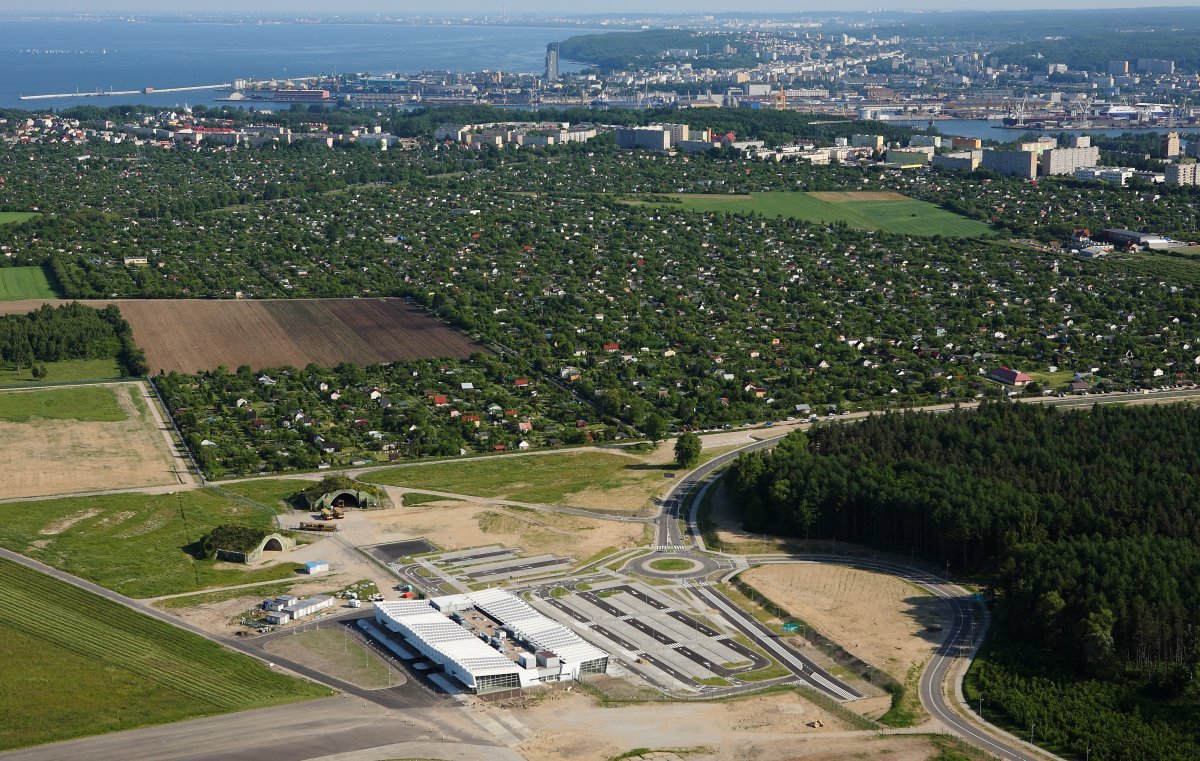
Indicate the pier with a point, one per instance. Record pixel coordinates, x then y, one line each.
239 84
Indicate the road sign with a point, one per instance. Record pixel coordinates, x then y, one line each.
791 626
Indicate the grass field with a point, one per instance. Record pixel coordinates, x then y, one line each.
138 545
672 564
333 652
86 665
416 499
869 211
60 372
272 493
13 217
90 404
24 283
584 479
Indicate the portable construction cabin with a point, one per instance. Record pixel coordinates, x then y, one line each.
308 606
313 567
278 617
279 603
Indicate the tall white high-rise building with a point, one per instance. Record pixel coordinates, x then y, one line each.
552 61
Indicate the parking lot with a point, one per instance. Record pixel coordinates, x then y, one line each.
649 627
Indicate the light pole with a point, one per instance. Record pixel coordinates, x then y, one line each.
980 706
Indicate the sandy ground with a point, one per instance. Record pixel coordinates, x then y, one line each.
574 727
475 523
48 457
879 618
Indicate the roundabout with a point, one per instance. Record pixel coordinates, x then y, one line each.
662 565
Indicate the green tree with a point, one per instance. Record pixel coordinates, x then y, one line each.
655 427
687 450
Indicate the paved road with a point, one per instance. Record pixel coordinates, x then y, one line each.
346 729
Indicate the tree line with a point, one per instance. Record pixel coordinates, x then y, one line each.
1086 524
70 331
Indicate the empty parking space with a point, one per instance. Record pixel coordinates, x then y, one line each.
396 551
475 552
515 568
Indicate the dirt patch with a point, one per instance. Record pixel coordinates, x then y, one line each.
773 726
116 518
854 196
67 521
879 618
482 522
51 457
281 332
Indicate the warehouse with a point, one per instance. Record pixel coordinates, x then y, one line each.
491 640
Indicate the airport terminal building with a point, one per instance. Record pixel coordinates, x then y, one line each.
491 640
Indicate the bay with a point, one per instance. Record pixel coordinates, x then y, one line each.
68 56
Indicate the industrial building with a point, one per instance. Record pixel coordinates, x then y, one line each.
491 640
1133 239
1013 163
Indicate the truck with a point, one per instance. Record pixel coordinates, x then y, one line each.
332 513
314 526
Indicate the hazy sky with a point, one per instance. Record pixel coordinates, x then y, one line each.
481 7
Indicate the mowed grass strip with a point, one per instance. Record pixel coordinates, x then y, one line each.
59 372
545 479
907 217
86 664
136 544
93 404
18 283
16 217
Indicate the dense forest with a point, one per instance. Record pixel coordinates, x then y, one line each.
1087 526
70 331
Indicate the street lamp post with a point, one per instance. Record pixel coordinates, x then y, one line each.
981 706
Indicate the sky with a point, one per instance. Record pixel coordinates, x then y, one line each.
483 7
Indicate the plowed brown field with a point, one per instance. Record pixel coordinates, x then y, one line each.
190 335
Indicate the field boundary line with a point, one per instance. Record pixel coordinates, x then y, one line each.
177 442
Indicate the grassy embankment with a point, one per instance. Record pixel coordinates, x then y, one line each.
83 665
